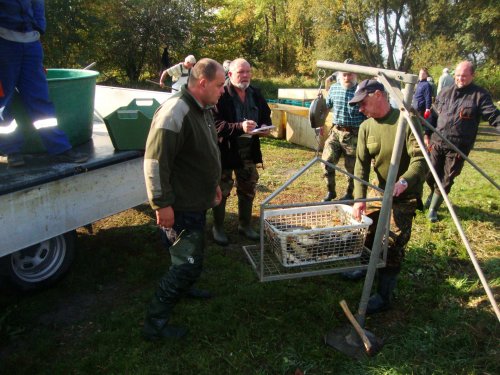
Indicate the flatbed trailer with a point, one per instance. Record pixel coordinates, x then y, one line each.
44 202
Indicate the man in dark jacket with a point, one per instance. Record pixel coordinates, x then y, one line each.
458 109
422 100
240 111
182 173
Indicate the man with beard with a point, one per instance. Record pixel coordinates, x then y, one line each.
343 136
240 110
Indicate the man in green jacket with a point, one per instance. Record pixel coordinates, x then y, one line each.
376 140
182 172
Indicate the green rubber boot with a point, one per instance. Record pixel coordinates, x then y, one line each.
382 300
219 213
245 217
434 207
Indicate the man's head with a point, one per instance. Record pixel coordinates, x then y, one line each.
371 98
206 82
240 73
464 74
423 74
446 71
347 79
189 61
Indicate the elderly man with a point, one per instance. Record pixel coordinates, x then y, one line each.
182 173
458 110
445 80
240 110
179 73
375 142
343 136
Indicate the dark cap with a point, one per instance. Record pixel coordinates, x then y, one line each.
364 88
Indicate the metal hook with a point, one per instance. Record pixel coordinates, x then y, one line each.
321 74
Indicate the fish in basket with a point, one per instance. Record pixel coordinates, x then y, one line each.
315 234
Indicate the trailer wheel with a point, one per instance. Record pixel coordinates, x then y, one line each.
40 265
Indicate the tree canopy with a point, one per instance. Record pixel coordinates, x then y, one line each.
279 37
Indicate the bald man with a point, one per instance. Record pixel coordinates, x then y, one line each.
458 109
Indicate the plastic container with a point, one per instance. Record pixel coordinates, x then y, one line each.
315 234
72 91
128 126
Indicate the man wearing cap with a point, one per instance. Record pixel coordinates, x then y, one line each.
343 136
376 140
179 73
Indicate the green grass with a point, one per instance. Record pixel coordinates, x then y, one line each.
441 323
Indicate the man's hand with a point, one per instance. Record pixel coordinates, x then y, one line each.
218 196
399 188
358 209
248 126
165 217
427 142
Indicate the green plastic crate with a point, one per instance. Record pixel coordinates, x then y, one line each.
128 126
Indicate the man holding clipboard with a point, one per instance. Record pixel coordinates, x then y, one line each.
241 117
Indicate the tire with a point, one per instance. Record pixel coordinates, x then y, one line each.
41 265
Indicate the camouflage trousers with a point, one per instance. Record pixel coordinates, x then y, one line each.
338 143
401 220
246 179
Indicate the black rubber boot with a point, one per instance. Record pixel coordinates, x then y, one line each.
434 207
219 213
382 300
156 322
329 197
245 218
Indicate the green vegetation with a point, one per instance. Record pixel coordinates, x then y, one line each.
279 37
441 323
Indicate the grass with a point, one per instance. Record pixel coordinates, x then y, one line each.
441 323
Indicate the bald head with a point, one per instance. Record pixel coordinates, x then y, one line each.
464 74
206 81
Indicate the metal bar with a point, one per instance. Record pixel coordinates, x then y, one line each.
368 70
385 211
456 149
470 252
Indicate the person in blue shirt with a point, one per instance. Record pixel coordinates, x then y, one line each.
343 136
21 68
422 99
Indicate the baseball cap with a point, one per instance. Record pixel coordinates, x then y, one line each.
364 88
190 59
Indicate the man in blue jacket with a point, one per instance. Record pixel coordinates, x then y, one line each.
422 100
21 68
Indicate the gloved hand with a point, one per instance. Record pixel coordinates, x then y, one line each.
427 113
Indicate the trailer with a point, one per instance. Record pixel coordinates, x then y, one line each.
43 203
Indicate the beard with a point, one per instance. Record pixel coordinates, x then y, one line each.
242 85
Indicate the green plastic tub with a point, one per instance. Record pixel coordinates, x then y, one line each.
72 91
128 126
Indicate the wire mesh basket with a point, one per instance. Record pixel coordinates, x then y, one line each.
315 234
